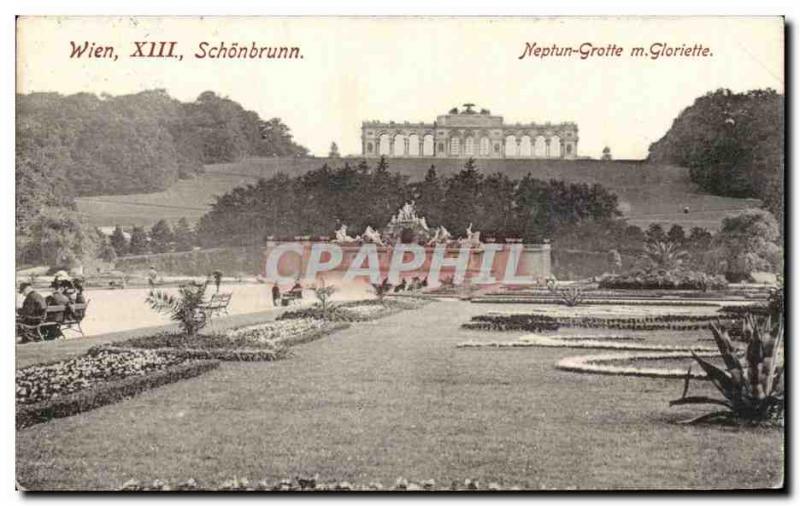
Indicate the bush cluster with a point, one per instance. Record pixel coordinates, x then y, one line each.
665 280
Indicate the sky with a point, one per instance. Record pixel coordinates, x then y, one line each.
415 68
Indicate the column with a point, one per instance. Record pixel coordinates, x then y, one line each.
547 147
561 150
405 145
518 154
391 145
421 143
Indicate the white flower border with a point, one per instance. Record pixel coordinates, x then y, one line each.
599 364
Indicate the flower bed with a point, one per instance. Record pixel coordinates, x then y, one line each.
605 364
356 311
262 342
310 484
538 322
612 364
68 387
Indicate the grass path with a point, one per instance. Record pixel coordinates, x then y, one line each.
395 398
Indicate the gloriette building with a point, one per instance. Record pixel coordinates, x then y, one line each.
469 133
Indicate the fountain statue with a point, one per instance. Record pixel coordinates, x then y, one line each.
473 239
341 235
371 235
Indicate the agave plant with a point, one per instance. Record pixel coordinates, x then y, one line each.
185 308
570 296
751 383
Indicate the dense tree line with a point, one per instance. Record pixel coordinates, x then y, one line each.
82 144
732 143
138 143
318 202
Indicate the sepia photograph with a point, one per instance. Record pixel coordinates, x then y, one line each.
399 254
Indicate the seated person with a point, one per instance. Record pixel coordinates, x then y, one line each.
58 297
69 289
34 305
79 297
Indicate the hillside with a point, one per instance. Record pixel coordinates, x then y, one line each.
648 192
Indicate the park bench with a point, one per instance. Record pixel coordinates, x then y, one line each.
218 304
54 321
291 297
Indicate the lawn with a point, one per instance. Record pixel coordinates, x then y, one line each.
647 192
395 397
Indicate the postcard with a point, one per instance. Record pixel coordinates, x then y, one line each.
395 254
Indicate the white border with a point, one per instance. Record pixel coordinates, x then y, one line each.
318 7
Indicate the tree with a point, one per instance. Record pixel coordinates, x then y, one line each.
747 242
429 195
119 242
83 144
183 308
184 236
139 244
161 237
61 239
107 252
614 261
334 152
732 144
699 239
676 234
655 233
606 154
462 198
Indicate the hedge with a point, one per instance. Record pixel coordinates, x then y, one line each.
539 323
107 393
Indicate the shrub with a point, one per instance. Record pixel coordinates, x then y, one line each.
324 294
752 388
184 309
664 280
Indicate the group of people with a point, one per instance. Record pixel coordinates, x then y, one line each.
279 299
415 284
65 292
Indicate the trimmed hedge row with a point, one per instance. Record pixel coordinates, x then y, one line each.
592 302
539 323
741 311
533 322
107 393
688 280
